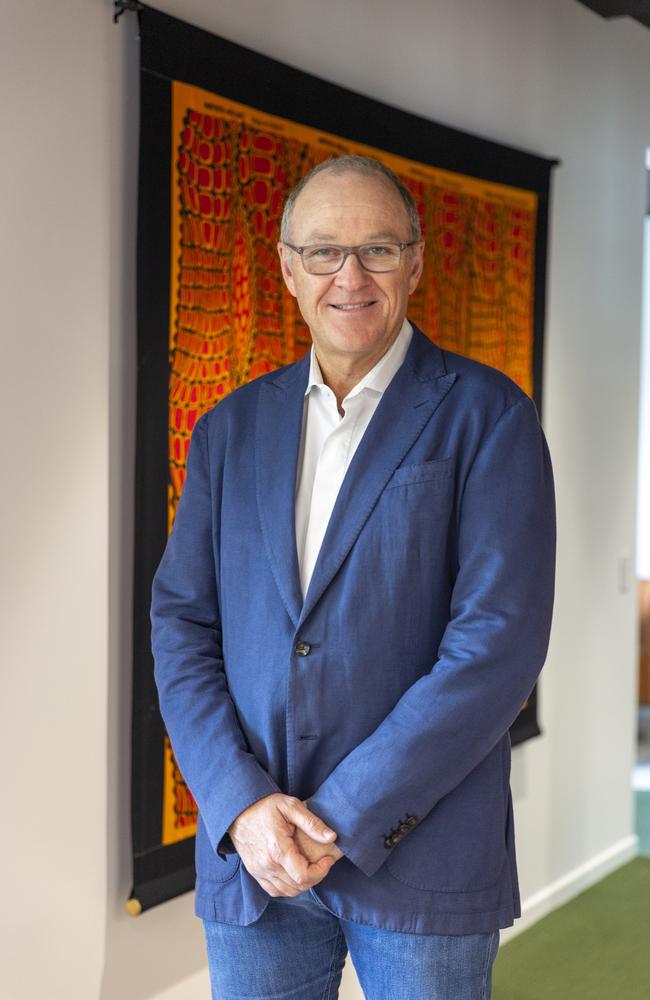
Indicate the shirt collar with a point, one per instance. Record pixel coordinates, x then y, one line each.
379 377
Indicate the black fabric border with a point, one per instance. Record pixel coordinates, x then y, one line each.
163 873
151 479
177 50
174 50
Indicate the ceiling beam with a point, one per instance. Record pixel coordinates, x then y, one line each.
619 8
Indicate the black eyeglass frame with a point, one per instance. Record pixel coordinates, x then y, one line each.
352 250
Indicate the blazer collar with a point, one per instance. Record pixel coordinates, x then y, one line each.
413 395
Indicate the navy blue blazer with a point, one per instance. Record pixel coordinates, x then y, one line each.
385 697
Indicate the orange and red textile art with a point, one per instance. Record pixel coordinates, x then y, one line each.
231 318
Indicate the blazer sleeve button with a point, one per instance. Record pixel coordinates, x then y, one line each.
411 821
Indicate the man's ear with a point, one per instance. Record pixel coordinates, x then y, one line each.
285 264
417 264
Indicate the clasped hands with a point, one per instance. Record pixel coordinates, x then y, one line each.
283 845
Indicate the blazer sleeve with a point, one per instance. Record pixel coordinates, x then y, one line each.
199 714
491 652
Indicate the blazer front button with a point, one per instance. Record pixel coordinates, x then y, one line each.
302 648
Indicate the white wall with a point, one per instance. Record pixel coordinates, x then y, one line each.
546 75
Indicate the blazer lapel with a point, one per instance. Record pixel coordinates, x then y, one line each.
413 395
406 406
278 431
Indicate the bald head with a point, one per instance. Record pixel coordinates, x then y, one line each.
361 166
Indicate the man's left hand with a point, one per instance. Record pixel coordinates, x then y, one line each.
312 849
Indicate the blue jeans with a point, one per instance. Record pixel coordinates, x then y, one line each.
297 948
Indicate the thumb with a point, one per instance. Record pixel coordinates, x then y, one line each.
297 812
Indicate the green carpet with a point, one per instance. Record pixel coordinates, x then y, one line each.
596 947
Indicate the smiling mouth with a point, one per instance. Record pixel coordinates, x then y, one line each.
353 306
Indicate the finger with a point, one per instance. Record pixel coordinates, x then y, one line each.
324 865
321 869
277 885
302 868
306 875
279 866
270 870
316 874
277 878
283 884
294 862
297 812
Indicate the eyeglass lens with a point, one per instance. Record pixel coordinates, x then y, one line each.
373 256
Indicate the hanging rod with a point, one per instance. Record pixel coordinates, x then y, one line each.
121 5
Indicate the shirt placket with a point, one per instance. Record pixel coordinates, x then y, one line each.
330 471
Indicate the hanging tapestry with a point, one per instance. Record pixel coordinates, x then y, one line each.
225 134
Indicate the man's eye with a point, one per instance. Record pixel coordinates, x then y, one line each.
323 252
379 251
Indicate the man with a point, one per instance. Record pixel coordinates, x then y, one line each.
352 608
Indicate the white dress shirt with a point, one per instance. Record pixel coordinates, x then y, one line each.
328 443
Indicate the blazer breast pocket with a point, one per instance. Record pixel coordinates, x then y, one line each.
437 473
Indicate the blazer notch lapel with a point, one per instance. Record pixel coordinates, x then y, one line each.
277 444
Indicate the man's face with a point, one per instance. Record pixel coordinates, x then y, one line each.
350 209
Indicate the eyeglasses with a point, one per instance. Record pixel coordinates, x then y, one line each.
323 258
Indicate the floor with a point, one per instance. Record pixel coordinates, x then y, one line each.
595 947
598 941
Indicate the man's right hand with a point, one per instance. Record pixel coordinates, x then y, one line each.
263 836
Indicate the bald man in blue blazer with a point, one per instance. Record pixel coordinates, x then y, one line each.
347 743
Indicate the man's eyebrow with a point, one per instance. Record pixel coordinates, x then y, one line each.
383 236
328 238
319 237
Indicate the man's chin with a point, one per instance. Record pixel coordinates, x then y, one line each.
355 337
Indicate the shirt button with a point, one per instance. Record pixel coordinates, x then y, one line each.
302 648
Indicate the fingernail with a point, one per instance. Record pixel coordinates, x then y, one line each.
329 833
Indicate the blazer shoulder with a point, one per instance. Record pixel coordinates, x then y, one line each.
475 382
484 383
243 400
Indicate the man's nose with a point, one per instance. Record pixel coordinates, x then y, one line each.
352 274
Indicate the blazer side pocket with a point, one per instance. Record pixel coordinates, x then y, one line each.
460 846
209 866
